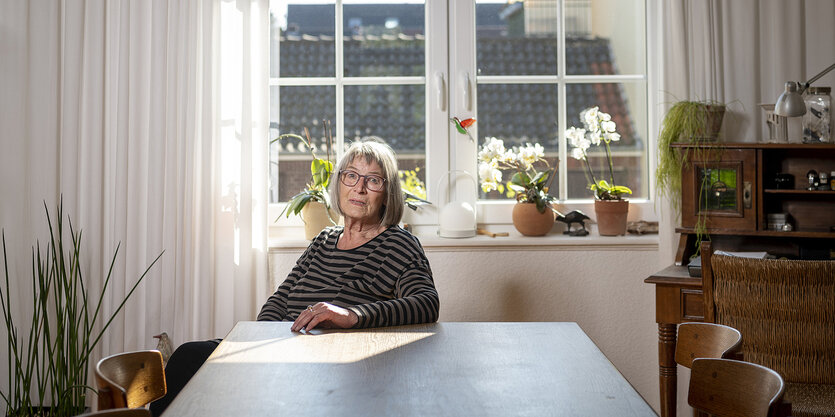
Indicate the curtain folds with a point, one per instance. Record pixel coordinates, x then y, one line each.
149 119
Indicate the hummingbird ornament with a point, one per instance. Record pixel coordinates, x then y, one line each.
463 126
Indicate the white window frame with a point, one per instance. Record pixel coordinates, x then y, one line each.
451 66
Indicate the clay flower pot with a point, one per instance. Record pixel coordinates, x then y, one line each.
611 216
530 222
315 218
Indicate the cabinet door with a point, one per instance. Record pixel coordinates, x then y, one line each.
720 186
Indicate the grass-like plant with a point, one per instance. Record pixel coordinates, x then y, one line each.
696 123
48 366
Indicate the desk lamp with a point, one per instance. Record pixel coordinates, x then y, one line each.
790 103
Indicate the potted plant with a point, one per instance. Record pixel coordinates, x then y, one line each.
313 203
609 206
533 214
694 122
49 360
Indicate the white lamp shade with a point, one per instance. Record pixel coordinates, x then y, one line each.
790 103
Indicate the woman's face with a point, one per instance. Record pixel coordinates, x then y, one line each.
358 203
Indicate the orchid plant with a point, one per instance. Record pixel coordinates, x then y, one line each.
528 183
599 128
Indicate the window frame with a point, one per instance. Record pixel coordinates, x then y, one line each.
450 71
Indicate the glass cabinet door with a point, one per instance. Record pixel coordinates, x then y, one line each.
718 187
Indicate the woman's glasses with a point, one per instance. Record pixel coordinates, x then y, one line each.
350 178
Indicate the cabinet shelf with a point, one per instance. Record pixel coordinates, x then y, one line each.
799 192
808 234
735 209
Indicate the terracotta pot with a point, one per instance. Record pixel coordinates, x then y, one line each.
611 216
315 218
530 222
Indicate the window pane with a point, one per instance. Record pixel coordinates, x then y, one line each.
383 39
393 113
291 110
604 37
626 103
516 38
519 114
305 39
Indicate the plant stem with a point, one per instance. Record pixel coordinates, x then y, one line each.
611 163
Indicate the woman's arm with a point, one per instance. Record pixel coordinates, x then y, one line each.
417 301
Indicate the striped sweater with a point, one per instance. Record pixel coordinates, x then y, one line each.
385 282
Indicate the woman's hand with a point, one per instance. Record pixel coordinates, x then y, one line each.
326 316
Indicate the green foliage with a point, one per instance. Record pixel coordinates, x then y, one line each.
605 191
410 182
687 121
48 365
696 123
321 171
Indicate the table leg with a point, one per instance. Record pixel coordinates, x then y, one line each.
667 368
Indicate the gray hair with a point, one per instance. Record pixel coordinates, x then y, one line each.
373 149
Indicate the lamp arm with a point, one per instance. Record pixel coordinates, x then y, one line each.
815 78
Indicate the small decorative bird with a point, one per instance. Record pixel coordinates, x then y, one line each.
575 216
463 126
164 346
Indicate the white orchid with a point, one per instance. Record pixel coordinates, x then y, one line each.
529 184
599 127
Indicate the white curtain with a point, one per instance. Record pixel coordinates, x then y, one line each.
150 119
740 52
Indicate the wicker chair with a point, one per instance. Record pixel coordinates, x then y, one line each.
785 310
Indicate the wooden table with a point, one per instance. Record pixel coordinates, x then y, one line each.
679 298
439 369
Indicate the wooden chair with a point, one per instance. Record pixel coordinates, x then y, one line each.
705 340
130 380
120 412
725 387
785 310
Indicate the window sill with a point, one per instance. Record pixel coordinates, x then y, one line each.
514 241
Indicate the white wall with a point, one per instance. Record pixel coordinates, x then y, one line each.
602 290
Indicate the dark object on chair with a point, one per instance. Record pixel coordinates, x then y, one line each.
706 340
784 310
724 387
130 380
120 412
575 216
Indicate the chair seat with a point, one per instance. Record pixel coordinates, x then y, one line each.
811 400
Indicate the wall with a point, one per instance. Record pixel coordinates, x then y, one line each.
602 290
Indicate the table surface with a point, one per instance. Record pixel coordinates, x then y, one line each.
455 369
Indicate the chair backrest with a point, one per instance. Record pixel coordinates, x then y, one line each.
130 380
785 309
120 412
729 388
705 340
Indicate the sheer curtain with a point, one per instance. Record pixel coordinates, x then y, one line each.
740 52
149 119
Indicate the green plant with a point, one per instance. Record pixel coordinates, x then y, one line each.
321 171
696 123
599 128
529 184
48 366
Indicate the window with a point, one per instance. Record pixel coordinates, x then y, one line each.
400 71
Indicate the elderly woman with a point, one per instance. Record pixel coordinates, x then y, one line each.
369 273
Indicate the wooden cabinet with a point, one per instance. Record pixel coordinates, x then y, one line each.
733 186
